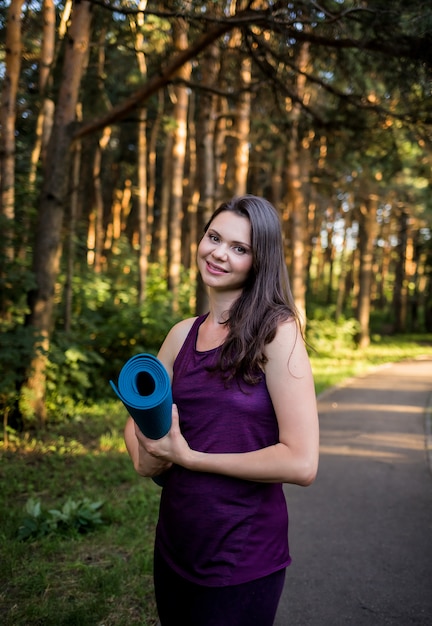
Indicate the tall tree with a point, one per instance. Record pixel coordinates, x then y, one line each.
48 237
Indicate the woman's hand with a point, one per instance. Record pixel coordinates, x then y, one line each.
144 463
152 457
173 448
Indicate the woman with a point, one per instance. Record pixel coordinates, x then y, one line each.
244 422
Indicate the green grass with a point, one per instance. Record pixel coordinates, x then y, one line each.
104 577
332 368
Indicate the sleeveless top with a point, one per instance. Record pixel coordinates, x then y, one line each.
216 530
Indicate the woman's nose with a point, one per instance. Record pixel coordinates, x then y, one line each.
220 252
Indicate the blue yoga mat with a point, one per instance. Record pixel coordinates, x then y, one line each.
144 387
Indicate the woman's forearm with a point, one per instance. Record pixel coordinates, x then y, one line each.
276 463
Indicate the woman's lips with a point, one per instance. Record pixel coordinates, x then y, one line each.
215 269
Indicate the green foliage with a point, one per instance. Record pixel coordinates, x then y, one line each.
35 525
108 327
71 376
78 516
327 337
109 320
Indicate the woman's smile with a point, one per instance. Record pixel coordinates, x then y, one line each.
215 269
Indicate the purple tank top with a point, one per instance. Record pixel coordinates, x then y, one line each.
216 530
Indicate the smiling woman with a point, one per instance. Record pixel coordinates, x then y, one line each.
244 422
220 256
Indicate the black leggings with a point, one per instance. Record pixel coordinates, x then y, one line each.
182 602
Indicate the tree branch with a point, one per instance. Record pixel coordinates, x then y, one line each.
276 19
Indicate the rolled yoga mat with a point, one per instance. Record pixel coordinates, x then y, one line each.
144 387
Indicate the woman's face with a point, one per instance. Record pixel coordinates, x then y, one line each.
225 253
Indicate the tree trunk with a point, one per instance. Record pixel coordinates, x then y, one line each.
241 130
160 233
400 292
142 205
220 149
205 155
98 208
296 205
71 238
190 195
151 186
345 261
47 244
384 260
7 125
277 177
368 229
178 164
45 118
137 28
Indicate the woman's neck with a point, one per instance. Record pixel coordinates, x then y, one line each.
220 305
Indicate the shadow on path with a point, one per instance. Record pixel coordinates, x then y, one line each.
361 536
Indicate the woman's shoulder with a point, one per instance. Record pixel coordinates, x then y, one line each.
174 341
288 348
181 329
287 335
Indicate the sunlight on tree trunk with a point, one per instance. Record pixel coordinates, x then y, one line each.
295 194
206 167
242 128
142 205
180 40
144 244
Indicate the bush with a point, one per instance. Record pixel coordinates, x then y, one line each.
327 337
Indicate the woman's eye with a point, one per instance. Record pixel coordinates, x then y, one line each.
214 238
240 249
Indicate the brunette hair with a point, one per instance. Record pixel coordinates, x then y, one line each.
266 298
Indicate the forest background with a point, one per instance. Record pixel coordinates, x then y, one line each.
124 124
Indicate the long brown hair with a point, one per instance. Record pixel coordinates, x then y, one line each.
266 298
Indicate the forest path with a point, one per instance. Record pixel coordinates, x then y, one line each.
361 535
